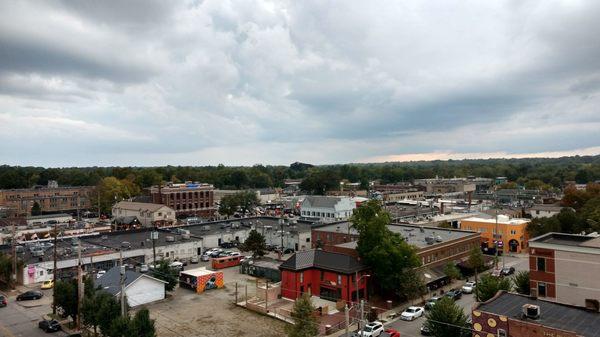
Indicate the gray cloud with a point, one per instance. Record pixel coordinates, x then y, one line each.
151 82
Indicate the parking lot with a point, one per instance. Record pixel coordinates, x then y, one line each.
213 313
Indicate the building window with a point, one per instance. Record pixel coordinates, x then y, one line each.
501 333
541 264
339 281
542 289
322 275
301 277
513 232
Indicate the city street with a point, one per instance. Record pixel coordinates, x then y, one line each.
412 329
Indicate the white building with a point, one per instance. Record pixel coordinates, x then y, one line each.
148 214
544 211
327 209
139 288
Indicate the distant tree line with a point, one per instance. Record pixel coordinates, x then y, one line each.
582 214
531 173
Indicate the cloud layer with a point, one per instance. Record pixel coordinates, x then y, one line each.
244 82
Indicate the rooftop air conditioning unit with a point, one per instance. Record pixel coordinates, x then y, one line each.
531 311
186 236
170 238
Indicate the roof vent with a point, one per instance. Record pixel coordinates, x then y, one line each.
531 311
438 239
170 238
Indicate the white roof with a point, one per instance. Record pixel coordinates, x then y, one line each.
502 219
199 272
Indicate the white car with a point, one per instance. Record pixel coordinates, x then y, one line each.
205 257
468 287
371 329
412 313
100 273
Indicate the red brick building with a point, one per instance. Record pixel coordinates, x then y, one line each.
565 268
194 199
515 315
329 275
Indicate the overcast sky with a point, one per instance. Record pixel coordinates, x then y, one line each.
245 82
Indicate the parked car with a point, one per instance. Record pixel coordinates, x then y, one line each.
288 251
3 301
227 245
49 326
48 284
215 253
30 295
371 329
176 265
468 287
412 313
454 294
205 257
234 254
100 273
144 268
194 259
431 302
425 330
506 271
390 333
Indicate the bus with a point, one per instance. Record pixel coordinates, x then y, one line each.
226 261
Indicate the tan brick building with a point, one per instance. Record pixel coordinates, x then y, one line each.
52 199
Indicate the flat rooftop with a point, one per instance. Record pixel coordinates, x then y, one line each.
415 235
199 272
564 239
559 316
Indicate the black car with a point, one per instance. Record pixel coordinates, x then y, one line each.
454 294
30 295
506 271
3 301
49 326
227 245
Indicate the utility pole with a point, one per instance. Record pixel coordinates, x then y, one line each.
122 283
79 286
496 233
13 242
362 316
347 317
154 236
54 271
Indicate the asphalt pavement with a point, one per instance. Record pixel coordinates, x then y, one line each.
413 328
20 319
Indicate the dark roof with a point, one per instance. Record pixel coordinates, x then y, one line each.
110 282
563 239
321 201
320 259
555 315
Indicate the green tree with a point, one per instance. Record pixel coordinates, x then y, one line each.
108 310
244 200
163 271
489 285
305 322
142 325
5 268
476 263
255 243
119 327
446 318
521 282
391 258
452 271
36 209
111 190
65 296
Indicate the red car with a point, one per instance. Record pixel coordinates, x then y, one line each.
390 333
